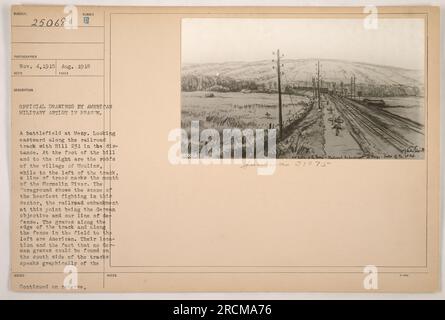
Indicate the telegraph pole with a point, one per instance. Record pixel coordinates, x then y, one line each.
314 94
350 94
318 85
280 112
354 88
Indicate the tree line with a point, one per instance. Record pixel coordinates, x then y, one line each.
193 82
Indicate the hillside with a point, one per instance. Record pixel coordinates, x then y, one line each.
259 75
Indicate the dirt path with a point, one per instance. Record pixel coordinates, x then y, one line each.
338 141
307 140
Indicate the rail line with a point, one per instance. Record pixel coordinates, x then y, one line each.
377 133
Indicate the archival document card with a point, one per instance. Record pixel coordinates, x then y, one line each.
225 149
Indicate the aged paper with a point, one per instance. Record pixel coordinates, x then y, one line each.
225 149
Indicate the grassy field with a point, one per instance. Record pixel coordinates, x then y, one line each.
237 110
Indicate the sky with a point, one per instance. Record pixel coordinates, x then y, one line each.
395 42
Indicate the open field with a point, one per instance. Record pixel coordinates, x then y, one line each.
238 110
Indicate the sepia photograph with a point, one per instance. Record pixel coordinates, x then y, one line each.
331 88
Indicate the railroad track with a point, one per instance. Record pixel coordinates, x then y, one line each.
398 120
377 137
